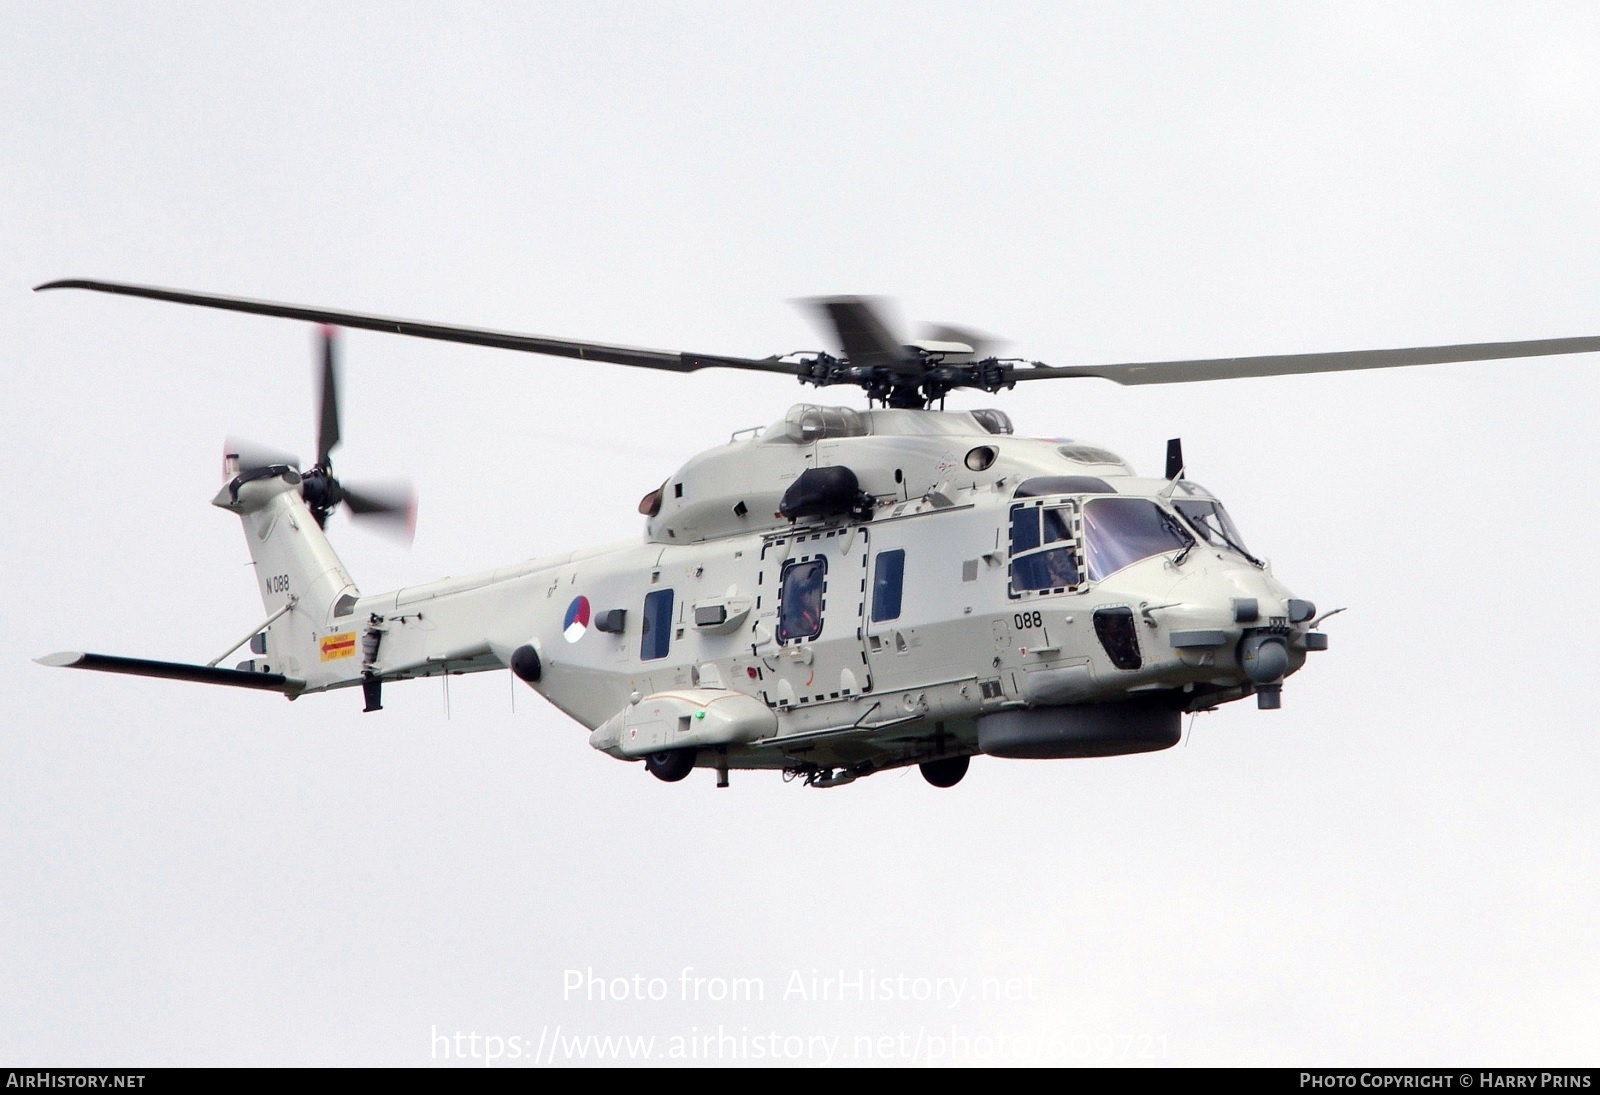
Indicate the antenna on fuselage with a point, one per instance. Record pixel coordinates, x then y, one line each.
1175 458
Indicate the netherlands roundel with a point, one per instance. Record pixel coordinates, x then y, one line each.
577 619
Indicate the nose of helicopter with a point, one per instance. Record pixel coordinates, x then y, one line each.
1247 619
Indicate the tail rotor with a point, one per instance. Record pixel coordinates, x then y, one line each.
386 507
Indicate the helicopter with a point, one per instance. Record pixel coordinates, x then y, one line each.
839 593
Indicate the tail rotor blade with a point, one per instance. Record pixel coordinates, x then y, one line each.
388 507
1175 458
328 426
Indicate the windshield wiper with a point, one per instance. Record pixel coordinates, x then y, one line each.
1177 530
1214 531
1226 539
1257 563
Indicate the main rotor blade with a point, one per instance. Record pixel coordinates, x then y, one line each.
1231 368
983 345
328 427
863 335
669 360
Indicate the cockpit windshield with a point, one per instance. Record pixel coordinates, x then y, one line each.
1121 531
1210 520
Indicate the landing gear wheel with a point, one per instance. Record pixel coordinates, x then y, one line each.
945 772
671 765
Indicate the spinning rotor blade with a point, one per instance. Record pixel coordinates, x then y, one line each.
1231 368
871 347
390 507
983 345
254 457
328 427
863 335
476 336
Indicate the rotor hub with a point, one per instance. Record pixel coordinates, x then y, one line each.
925 379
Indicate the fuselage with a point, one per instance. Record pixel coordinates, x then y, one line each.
974 591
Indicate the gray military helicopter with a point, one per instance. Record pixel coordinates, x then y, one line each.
836 594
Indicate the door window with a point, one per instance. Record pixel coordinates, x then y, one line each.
800 600
657 625
888 582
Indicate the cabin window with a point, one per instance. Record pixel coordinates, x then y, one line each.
1122 531
1044 551
888 582
801 601
657 625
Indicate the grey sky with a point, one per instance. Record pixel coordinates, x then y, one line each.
1399 867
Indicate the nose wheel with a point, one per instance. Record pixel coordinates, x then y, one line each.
946 771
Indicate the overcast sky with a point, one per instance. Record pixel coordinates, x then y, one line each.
1398 867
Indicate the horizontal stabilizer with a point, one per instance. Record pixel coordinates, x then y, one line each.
176 671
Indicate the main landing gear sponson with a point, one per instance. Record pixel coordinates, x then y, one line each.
946 771
671 765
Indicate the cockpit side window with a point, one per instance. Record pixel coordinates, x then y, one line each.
1044 548
802 599
1024 529
1057 524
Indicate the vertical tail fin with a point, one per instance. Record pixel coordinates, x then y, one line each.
294 565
